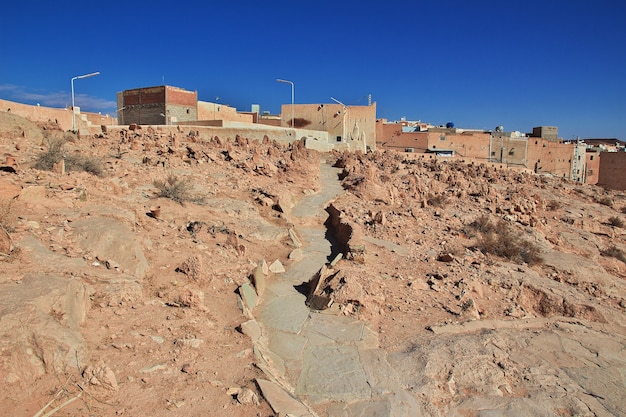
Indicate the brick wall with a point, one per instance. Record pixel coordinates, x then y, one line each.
158 105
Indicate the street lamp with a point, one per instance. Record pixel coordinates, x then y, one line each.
292 88
214 106
73 112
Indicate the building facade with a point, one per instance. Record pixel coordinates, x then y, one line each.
352 126
160 105
612 170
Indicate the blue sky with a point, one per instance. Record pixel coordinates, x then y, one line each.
476 63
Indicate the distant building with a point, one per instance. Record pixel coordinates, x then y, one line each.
350 127
546 132
592 168
612 169
160 105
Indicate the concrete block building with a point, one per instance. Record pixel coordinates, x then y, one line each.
160 105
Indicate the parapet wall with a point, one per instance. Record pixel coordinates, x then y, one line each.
230 130
63 117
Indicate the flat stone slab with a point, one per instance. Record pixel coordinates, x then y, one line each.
286 313
288 346
281 402
361 409
339 329
332 373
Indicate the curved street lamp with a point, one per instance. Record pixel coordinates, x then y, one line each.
72 82
292 88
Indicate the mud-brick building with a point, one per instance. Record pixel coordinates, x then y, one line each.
612 169
160 105
347 126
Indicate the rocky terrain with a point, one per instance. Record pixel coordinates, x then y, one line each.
489 291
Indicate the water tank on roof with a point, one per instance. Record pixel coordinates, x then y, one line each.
499 128
449 125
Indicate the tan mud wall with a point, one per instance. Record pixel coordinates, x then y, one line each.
613 170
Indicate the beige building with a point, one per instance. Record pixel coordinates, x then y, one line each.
349 127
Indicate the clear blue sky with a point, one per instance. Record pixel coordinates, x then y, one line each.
476 63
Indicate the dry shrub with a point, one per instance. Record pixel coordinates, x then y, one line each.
482 224
437 200
614 252
8 214
624 210
91 166
605 200
616 221
553 205
56 152
177 189
53 154
503 240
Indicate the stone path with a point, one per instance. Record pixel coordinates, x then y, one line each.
321 360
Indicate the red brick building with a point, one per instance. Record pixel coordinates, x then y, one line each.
161 105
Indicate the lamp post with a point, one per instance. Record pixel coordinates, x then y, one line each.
73 112
292 88
214 106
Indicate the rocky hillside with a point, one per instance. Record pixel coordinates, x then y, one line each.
118 271
492 291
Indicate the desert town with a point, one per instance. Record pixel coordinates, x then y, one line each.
185 259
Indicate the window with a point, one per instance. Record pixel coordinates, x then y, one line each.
338 138
442 138
591 158
493 153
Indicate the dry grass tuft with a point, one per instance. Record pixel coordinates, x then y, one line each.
56 152
178 190
437 200
502 240
605 200
553 205
614 252
615 221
